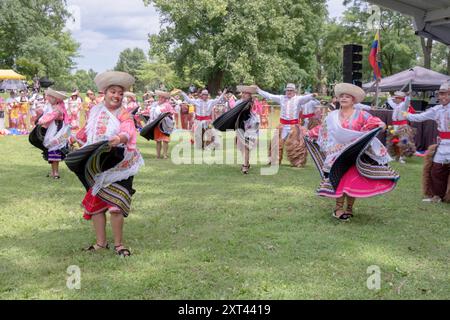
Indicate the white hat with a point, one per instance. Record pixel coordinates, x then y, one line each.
445 87
350 89
290 86
129 94
204 92
56 94
114 78
399 94
160 93
248 89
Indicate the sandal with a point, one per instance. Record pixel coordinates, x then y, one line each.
343 217
96 247
122 252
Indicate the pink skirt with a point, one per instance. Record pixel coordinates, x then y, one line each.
355 185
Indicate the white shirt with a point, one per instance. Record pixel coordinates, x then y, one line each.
290 107
203 108
399 108
310 107
362 106
440 114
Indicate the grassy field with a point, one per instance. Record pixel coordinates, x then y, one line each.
208 232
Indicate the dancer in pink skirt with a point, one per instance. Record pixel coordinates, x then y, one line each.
351 160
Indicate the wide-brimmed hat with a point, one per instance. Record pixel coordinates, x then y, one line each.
205 92
399 94
164 94
350 89
247 89
56 94
290 86
445 87
129 94
114 78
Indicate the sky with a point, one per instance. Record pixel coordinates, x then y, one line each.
104 28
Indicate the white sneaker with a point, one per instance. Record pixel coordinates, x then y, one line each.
402 161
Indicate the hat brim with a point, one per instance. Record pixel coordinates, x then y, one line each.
247 89
56 94
114 78
350 89
162 94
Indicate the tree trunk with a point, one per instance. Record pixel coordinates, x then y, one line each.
427 49
215 82
448 61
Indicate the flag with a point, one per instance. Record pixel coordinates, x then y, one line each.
374 56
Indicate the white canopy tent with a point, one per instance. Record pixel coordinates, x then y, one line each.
431 17
417 78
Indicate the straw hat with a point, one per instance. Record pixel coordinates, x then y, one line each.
56 94
350 89
248 89
399 94
445 87
114 78
129 94
160 93
290 86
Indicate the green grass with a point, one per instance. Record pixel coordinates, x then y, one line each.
208 232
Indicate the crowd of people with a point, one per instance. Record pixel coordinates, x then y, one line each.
340 136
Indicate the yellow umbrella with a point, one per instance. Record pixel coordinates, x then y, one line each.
10 75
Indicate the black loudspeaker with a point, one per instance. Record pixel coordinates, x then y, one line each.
352 66
419 105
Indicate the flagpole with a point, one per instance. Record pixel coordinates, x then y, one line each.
377 95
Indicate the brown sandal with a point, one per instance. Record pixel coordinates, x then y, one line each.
122 252
96 247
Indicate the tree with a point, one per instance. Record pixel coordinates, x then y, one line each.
427 49
154 74
400 46
231 41
440 60
32 37
130 61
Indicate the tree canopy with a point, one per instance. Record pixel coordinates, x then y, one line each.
33 40
231 41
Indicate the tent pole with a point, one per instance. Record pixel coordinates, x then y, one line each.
377 93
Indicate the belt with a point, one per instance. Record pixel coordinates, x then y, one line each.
203 118
293 121
444 135
307 116
400 123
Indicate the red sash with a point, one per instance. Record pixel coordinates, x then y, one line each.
291 122
444 135
203 118
400 123
307 116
